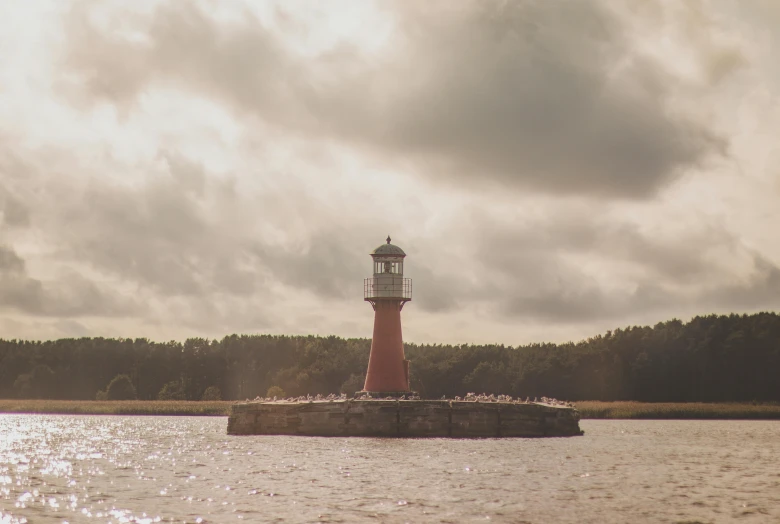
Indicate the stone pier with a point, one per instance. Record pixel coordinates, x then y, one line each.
403 418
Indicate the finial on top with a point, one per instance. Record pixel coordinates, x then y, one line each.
388 239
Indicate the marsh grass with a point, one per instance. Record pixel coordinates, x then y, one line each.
117 407
678 410
590 409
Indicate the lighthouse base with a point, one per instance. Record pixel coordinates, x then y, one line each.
403 418
400 395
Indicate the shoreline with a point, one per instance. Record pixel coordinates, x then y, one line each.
630 410
208 408
591 409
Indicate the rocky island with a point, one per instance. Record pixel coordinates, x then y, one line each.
475 416
387 407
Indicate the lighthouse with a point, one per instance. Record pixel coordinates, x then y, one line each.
386 407
387 291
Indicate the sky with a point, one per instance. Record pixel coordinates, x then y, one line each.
553 170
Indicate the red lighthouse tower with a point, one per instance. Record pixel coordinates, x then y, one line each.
387 291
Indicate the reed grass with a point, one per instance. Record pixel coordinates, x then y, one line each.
117 407
590 409
678 410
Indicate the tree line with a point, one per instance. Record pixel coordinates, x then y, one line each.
711 358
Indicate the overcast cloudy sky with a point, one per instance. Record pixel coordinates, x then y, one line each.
552 169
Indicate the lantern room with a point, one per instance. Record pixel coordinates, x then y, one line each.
388 280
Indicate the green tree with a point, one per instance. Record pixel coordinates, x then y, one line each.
40 383
211 393
275 391
489 377
121 388
353 384
709 358
173 390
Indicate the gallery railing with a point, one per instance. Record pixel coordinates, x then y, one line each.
390 287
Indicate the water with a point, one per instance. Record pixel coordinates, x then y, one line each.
60 468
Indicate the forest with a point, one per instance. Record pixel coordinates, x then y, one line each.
714 358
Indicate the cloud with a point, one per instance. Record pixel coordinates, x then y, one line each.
761 289
550 96
437 291
70 295
578 268
13 213
166 238
169 169
10 262
182 47
178 237
188 233
325 266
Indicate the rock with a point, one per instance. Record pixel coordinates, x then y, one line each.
393 417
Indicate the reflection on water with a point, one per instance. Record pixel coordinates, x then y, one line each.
56 468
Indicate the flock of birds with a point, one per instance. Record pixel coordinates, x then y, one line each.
474 397
470 397
302 398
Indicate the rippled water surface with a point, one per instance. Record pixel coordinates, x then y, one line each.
56 468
